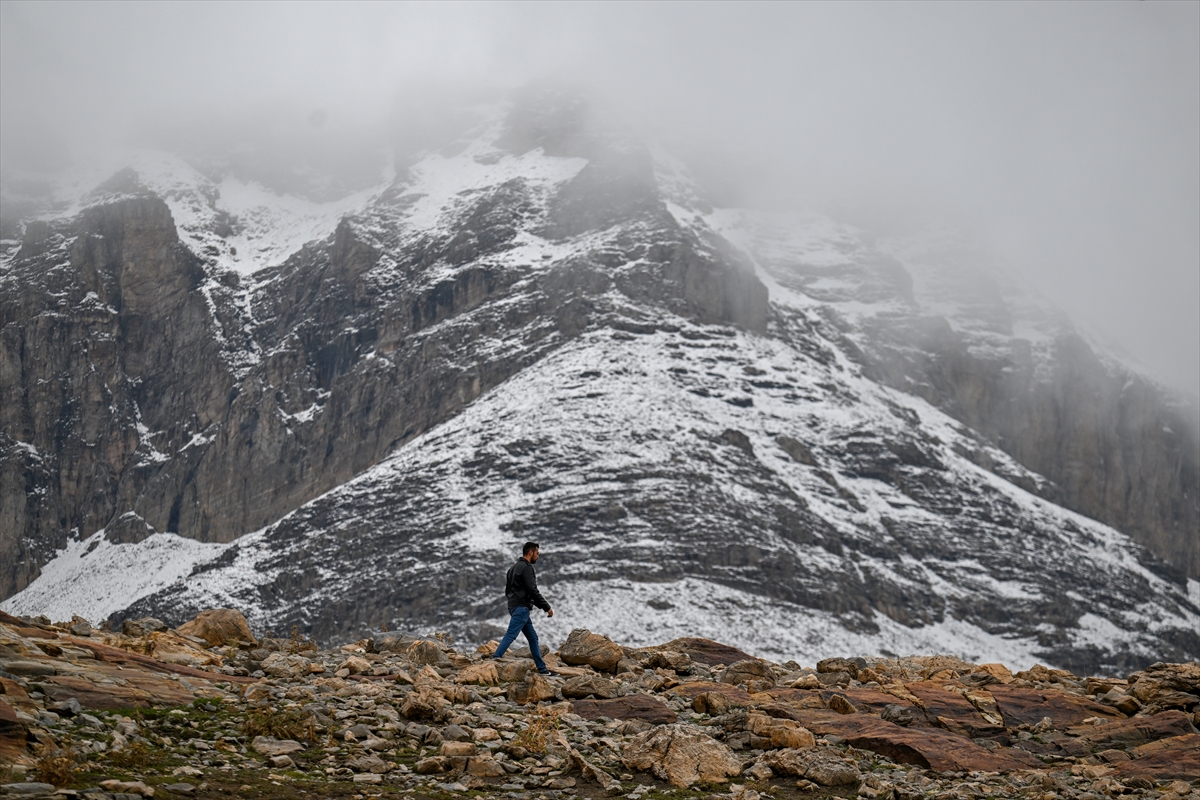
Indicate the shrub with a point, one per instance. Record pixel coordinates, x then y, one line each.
55 768
540 723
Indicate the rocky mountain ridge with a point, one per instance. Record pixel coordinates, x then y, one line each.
539 330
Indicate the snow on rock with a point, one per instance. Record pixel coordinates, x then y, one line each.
94 577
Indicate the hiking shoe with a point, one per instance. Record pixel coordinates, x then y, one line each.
544 672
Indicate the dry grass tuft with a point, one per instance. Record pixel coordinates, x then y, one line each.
55 768
541 722
135 755
287 724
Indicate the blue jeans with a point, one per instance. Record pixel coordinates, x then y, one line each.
521 623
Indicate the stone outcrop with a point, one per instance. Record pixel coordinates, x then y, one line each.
220 626
593 649
681 755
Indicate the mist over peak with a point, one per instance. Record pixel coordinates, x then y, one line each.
1063 136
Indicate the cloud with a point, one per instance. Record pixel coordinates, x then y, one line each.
1066 135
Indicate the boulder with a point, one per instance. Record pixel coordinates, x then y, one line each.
847 665
998 671
630 707
424 651
355 665
142 627
509 671
817 765
1160 679
839 703
482 674
127 787
714 704
743 672
30 789
534 689
270 746
282 665
427 766
781 732
219 626
671 659
485 767
426 703
682 755
583 686
369 763
597 651
897 714
457 749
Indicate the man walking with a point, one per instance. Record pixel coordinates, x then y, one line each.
520 587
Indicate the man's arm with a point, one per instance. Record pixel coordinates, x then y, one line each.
531 590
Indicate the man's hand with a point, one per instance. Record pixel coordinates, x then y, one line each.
550 613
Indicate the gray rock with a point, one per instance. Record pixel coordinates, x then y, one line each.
270 746
901 715
70 707
456 733
359 731
27 790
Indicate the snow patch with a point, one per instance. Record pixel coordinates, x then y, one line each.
644 614
94 577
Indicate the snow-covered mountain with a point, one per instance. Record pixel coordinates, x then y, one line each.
776 429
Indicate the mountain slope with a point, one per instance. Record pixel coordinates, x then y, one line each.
540 331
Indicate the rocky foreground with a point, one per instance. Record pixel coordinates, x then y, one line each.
209 710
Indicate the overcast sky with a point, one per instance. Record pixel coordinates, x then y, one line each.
1066 135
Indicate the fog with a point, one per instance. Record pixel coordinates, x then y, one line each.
1065 136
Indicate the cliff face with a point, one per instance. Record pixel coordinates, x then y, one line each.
543 331
1111 445
106 336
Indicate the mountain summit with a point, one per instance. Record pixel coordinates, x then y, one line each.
345 411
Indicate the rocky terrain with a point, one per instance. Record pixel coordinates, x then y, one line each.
210 710
345 412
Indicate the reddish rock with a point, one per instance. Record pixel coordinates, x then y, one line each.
14 739
1176 758
21 629
633 706
706 651
952 711
16 697
1027 707
926 747
124 658
737 696
1136 731
142 690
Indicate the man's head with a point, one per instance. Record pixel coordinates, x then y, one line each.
530 552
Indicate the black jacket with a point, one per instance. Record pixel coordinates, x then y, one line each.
520 587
